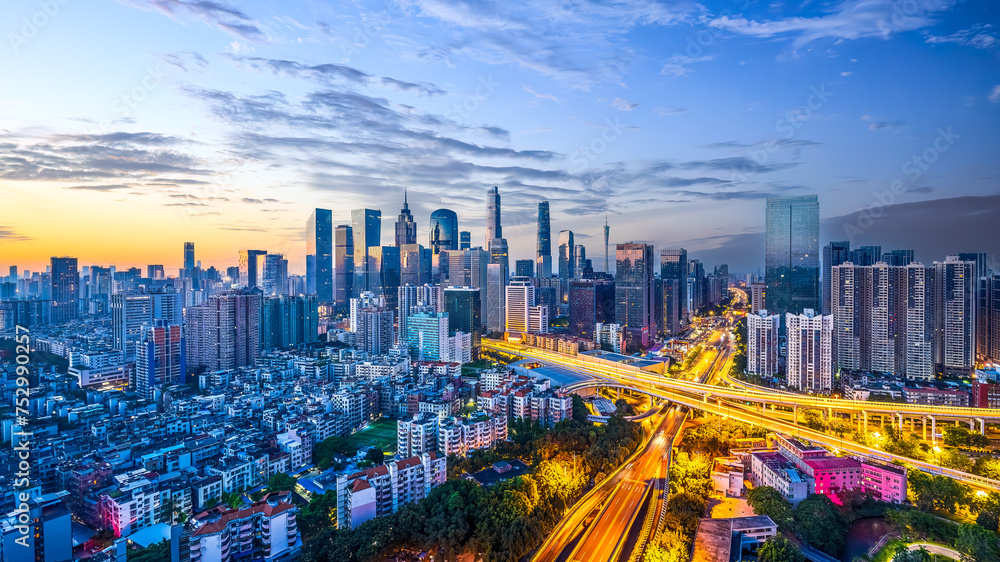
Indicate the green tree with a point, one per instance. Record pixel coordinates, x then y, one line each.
904 554
580 410
325 450
152 553
281 482
375 455
929 492
765 500
821 524
318 515
779 549
977 544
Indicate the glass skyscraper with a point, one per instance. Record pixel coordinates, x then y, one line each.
674 267
188 257
493 228
792 254
634 293
319 247
367 234
344 240
543 256
834 253
443 231
566 254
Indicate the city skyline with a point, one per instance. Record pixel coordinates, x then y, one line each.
224 134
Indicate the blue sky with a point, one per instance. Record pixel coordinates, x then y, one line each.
129 127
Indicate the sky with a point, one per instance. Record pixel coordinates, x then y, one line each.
129 127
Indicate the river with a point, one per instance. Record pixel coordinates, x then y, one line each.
863 535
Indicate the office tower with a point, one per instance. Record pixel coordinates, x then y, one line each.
792 254
48 528
65 289
988 316
674 266
980 260
810 351
920 317
275 275
13 273
634 293
607 236
543 243
582 308
499 253
367 224
523 315
415 265
898 258
496 281
493 229
131 310
468 269
866 255
524 268
286 321
955 306
416 298
464 240
319 255
698 296
834 253
427 335
762 343
159 358
406 228
155 271
188 257
579 260
375 333
443 231
671 307
566 255
344 255
233 275
757 293
464 307
386 268
250 268
223 333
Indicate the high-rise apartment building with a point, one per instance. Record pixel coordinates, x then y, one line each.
416 298
543 244
344 272
160 358
427 336
522 314
792 254
406 227
674 266
762 343
866 255
757 291
919 289
319 255
367 224
955 306
898 258
65 289
287 321
223 333
810 351
988 318
383 490
634 297
131 310
834 253
375 331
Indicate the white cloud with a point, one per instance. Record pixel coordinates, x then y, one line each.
677 65
622 104
541 96
978 36
995 94
667 111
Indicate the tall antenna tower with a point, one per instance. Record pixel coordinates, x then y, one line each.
607 232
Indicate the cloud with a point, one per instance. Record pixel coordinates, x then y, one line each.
666 111
622 104
844 20
333 74
978 36
224 17
995 94
7 233
892 125
677 65
540 96
108 187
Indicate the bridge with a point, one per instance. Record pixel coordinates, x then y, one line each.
750 405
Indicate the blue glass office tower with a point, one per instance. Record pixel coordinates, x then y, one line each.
319 255
543 246
444 231
792 254
367 227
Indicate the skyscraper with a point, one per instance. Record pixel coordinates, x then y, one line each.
275 276
898 258
319 245
367 224
443 231
834 253
866 255
131 310
493 228
674 266
579 261
152 271
582 308
543 245
524 268
850 319
288 320
634 293
464 308
522 315
406 228
189 257
159 358
988 330
955 306
344 254
810 349
251 275
415 264
792 254
671 306
375 332
607 237
386 266
464 240
762 343
566 255
919 317
65 289
223 333
496 282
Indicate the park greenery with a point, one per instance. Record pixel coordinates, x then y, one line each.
502 522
